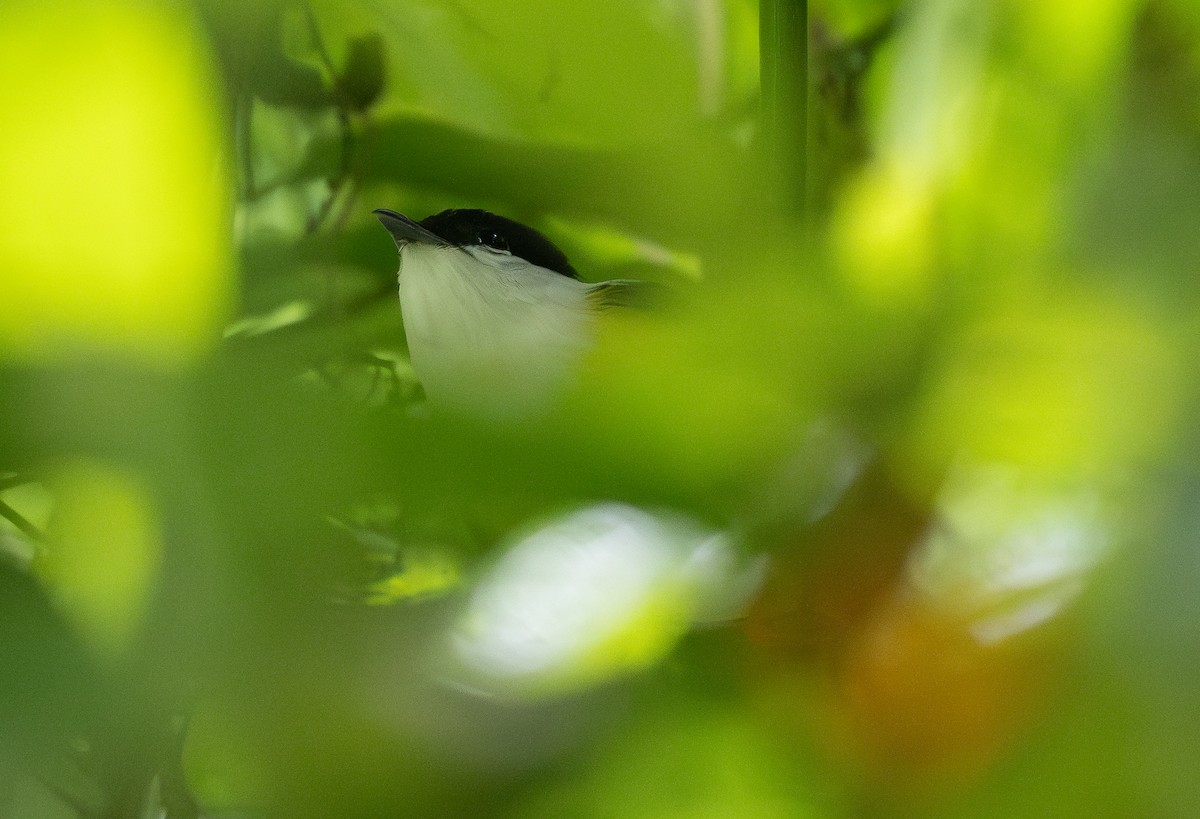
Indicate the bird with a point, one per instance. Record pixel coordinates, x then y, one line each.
496 318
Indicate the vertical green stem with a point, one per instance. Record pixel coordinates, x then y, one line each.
783 71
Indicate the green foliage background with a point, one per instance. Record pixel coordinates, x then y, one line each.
930 361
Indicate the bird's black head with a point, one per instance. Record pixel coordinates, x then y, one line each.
466 227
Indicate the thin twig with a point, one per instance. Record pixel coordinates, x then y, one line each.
362 149
314 31
339 180
21 522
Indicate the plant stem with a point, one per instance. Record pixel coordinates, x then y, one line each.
783 72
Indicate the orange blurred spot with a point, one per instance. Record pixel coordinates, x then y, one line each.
899 691
927 705
819 593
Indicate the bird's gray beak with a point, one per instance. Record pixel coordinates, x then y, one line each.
405 230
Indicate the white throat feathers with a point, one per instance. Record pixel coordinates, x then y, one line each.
488 332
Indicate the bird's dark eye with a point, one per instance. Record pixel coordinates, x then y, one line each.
493 239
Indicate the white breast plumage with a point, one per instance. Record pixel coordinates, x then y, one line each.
488 332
